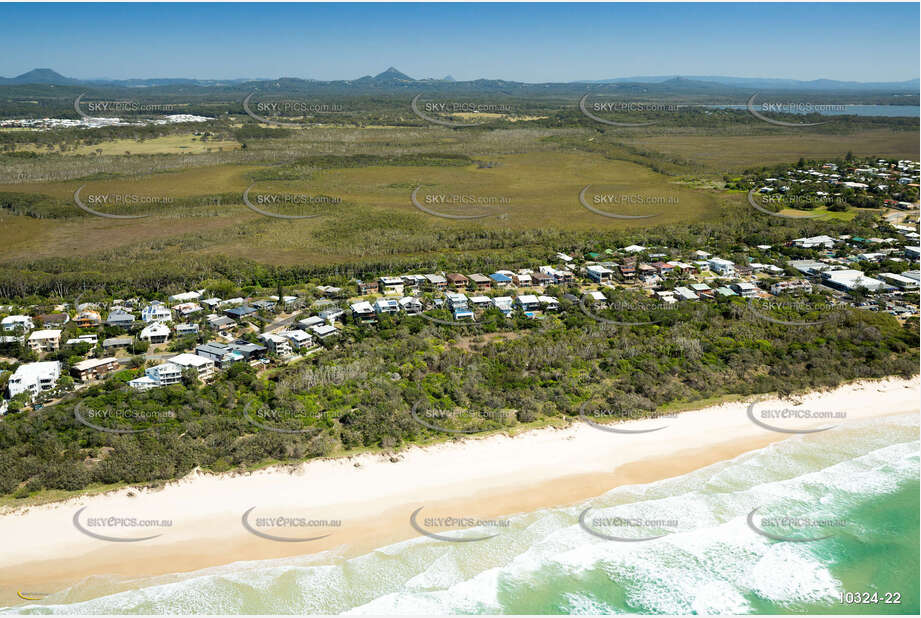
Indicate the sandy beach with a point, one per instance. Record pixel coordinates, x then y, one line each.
49 547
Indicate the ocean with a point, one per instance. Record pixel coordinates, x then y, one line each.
848 496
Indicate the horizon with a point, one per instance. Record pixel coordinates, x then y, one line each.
495 41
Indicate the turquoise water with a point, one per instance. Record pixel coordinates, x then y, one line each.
864 476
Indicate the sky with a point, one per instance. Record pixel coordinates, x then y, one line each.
535 42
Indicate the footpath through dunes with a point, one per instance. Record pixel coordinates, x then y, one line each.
488 478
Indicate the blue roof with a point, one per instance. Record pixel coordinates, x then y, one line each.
500 278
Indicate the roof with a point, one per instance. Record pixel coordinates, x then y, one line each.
499 277
190 360
528 298
48 333
91 363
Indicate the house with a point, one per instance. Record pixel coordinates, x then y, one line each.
155 332
436 282
231 302
250 351
47 340
823 241
457 280
367 287
702 289
187 309
522 280
386 305
528 303
94 368
563 257
481 282
21 323
277 344
298 339
53 319
549 303
156 312
456 301
263 305
91 339
684 293
391 285
218 353
164 374
722 267
411 305
744 289
634 249
332 314
363 312
211 303
596 297
598 273
663 268
185 297
503 304
88 319
541 280
286 300
204 367
33 378
329 291
791 286
116 343
913 253
560 276
220 323
724 291
414 281
324 331
241 312
189 329
120 318
481 302
313 320
627 271
500 280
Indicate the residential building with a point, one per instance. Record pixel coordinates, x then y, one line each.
47 340
94 368
21 323
313 320
299 339
88 319
363 312
598 273
528 303
522 280
185 297
367 287
277 344
457 280
549 303
822 242
220 354
250 351
480 281
386 305
204 367
541 280
324 331
155 332
500 280
53 319
436 282
187 329
722 267
391 285
33 378
684 293
503 304
241 312
120 318
187 309
849 280
156 312
791 286
116 343
165 374
744 289
411 305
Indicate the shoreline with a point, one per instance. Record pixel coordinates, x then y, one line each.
488 477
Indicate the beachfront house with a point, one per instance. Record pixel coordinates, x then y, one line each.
33 378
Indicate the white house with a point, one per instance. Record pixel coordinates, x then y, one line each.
298 338
722 267
17 322
826 242
324 331
34 378
203 366
156 312
363 311
411 305
155 332
598 273
276 343
528 302
185 297
386 305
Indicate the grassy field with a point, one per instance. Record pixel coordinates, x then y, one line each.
167 144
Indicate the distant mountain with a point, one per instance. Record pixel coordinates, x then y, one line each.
393 81
766 83
39 76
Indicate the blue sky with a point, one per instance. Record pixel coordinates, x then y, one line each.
523 42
